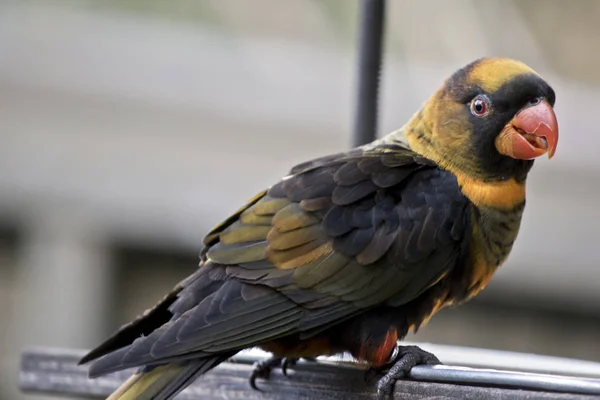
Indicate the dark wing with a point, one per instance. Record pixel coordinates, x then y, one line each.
339 235
160 314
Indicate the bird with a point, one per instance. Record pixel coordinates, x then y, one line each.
348 252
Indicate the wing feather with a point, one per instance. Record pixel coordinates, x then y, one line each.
339 235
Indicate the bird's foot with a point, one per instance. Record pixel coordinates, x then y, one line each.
262 369
399 366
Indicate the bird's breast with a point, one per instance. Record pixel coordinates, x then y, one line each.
493 233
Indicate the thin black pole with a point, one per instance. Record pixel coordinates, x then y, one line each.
369 68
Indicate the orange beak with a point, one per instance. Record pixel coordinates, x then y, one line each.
530 134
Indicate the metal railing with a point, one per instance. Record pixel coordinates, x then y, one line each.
466 374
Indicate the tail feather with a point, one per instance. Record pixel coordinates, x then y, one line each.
164 382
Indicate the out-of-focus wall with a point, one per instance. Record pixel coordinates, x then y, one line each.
128 128
8 256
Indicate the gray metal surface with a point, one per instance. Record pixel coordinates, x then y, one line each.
491 377
511 360
54 371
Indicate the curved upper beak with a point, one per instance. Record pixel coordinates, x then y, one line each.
530 134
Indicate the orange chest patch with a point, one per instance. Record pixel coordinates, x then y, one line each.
503 195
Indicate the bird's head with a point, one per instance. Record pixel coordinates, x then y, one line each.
489 121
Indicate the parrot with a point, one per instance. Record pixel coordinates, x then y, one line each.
348 252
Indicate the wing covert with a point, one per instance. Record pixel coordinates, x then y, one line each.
345 226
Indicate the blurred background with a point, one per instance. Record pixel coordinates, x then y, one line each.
129 127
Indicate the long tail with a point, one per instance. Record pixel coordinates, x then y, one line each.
165 381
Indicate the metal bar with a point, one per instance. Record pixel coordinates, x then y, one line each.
372 20
511 360
55 371
461 361
472 357
492 377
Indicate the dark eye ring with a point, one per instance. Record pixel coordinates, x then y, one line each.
535 101
480 106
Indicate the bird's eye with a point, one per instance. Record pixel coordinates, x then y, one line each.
480 106
535 101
